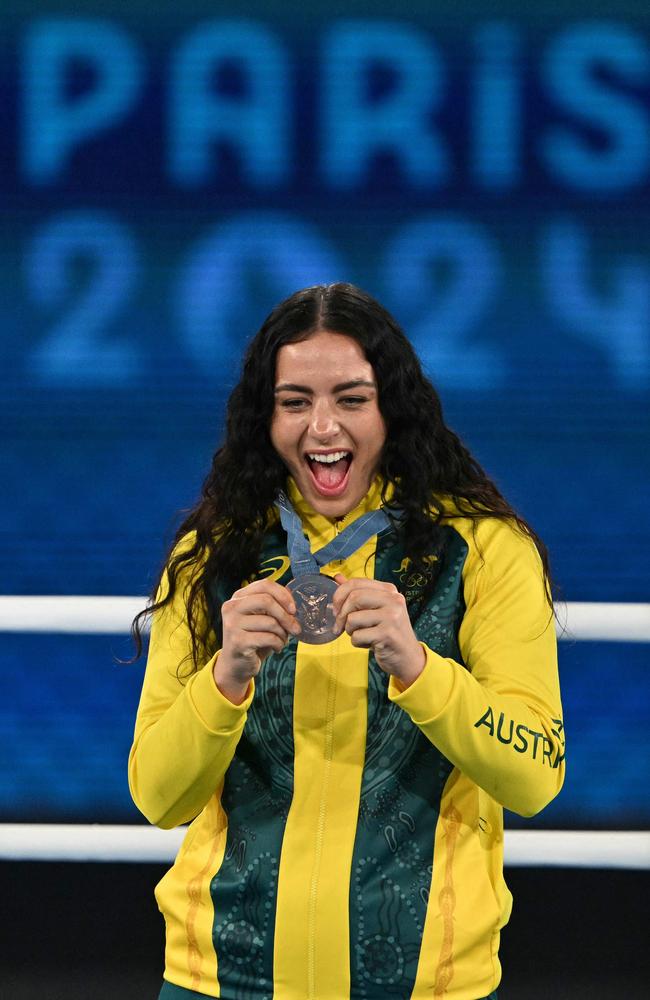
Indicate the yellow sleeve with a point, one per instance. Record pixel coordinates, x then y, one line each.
185 733
499 718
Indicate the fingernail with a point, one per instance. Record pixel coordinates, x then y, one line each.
296 629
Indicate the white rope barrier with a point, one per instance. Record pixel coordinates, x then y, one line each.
577 848
522 848
113 615
96 842
80 615
605 622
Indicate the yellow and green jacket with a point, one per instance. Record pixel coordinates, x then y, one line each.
347 834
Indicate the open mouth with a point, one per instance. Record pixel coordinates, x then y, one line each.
329 471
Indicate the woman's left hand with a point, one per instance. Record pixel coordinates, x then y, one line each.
375 617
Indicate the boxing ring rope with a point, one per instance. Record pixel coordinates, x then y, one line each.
112 616
600 622
522 848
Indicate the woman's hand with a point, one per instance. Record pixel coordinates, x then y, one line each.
374 615
257 620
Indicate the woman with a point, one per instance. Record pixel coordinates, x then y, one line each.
346 751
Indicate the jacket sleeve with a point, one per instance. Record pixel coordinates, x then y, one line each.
498 717
185 732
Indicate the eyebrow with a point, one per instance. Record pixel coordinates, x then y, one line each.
354 384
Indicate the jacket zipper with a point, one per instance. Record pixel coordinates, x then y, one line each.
320 833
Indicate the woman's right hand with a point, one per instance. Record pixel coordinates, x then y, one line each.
257 620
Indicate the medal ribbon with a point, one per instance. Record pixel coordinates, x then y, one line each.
303 560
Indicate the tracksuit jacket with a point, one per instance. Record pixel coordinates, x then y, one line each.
346 834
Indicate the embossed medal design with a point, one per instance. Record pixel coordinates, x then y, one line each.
312 593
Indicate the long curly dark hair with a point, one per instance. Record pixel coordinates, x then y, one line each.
422 459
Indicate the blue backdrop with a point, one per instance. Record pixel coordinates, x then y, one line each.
168 176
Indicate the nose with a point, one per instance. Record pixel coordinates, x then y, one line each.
323 422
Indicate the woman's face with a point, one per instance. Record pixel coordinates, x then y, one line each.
326 425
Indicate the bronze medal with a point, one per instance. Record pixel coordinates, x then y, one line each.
313 594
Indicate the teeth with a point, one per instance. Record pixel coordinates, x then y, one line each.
335 456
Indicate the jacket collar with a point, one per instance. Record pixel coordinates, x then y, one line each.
324 528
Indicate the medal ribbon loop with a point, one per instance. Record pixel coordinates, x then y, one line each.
303 560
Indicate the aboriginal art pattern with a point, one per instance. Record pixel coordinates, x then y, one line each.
403 779
257 793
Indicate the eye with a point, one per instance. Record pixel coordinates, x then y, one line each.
353 400
293 404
